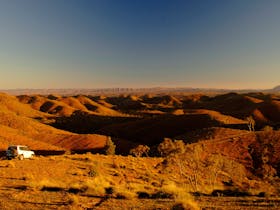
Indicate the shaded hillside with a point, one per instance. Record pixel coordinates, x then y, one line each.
263 107
271 110
232 104
152 130
126 103
83 122
211 133
148 129
43 133
10 136
225 119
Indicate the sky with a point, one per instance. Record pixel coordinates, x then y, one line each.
233 44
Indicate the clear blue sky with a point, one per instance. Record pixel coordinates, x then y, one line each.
139 43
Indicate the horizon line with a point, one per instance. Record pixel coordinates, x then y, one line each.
137 88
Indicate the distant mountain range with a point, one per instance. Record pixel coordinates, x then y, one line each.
108 91
276 89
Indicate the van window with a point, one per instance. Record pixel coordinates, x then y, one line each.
24 148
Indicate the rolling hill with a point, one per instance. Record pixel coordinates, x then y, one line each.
83 122
20 125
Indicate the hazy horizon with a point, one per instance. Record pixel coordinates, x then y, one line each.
61 44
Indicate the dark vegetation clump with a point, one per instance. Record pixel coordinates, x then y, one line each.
140 150
110 147
169 147
92 172
230 193
109 190
77 190
264 154
178 206
162 195
143 195
52 189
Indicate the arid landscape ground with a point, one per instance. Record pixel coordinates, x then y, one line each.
142 151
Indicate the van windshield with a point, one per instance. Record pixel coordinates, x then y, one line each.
24 148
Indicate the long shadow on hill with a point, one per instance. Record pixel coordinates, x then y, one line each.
232 104
83 123
124 104
264 108
149 130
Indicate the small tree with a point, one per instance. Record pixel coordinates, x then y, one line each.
251 123
168 147
140 150
110 147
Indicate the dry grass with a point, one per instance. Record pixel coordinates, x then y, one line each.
134 182
11 164
73 200
97 186
46 184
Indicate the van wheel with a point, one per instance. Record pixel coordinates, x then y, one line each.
32 156
21 157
